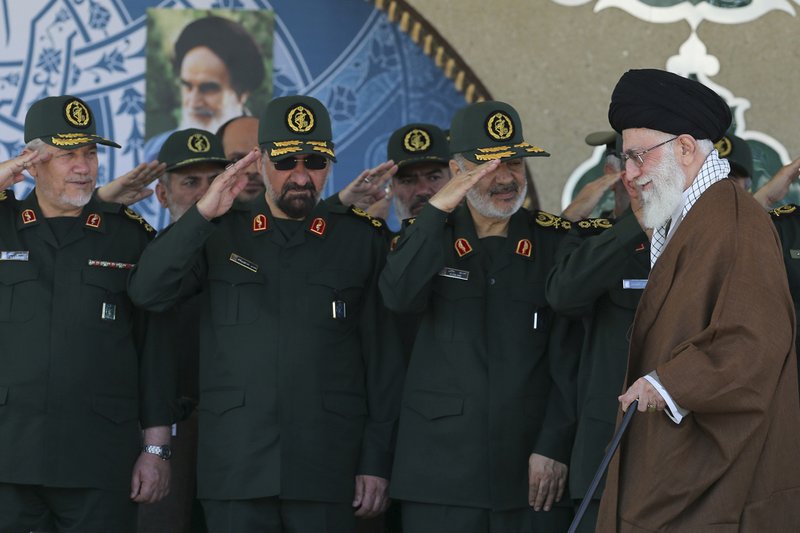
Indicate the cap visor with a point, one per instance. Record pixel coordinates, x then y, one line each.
73 141
198 161
277 154
481 155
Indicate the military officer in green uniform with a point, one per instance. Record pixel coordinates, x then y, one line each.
485 425
79 373
300 369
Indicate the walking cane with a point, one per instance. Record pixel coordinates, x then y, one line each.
603 465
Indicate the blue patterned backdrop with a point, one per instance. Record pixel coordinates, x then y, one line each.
371 76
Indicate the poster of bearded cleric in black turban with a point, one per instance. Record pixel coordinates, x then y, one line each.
204 67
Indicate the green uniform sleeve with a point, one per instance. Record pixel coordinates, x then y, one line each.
171 267
585 266
406 280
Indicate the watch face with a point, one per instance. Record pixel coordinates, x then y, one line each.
166 452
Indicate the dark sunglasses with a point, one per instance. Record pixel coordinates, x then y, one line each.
311 162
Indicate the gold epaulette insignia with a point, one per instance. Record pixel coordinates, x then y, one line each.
3 195
783 210
377 223
133 215
546 220
595 223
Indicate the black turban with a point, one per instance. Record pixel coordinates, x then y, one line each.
663 101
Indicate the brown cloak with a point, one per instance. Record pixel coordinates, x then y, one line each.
717 323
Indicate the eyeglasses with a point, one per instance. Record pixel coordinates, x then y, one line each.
311 162
638 157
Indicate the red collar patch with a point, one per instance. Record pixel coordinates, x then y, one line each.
462 247
524 247
317 226
28 216
260 222
93 220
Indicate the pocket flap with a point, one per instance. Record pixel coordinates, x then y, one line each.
12 272
338 279
433 405
344 403
115 408
111 279
234 274
221 400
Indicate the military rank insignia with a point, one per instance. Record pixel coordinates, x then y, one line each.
376 222
133 215
462 247
524 248
546 220
28 216
783 210
317 226
3 195
260 222
93 220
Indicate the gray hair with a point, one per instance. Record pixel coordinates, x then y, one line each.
35 145
460 160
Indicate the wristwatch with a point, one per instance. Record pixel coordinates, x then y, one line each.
163 451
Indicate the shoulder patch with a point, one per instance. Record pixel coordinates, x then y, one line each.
357 212
784 210
547 220
592 226
133 215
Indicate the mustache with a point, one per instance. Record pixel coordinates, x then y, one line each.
203 111
296 187
501 189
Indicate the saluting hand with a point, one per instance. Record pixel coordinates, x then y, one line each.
11 170
369 187
456 189
589 196
132 186
223 190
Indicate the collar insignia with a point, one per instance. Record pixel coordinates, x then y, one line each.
317 226
462 247
524 247
28 216
93 220
260 222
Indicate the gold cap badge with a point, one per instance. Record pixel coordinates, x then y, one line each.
300 119
724 146
500 126
416 140
198 143
77 114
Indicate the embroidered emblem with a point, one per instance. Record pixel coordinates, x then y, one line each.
462 247
499 126
783 210
724 146
133 215
376 222
596 223
416 140
198 143
28 216
93 220
3 195
260 222
546 220
71 139
77 114
317 226
524 247
300 119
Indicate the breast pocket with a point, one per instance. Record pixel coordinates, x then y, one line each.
17 298
236 296
458 309
104 298
334 298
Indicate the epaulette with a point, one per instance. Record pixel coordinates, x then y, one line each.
375 222
7 194
133 215
592 226
784 210
547 220
407 222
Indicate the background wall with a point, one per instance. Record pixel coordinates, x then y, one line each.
558 64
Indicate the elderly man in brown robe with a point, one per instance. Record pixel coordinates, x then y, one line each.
712 360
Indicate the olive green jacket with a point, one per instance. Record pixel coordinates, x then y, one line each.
293 402
484 388
75 387
787 221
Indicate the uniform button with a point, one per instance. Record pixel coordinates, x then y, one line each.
491 281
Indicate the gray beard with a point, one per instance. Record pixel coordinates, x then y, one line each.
666 193
483 203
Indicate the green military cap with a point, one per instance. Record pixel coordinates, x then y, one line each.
418 143
737 152
490 130
611 139
191 147
293 125
65 122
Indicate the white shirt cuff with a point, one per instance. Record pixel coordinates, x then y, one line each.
674 411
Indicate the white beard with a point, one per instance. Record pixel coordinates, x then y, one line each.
666 192
483 203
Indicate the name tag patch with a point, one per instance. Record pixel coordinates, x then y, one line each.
14 256
794 254
634 283
242 262
454 273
